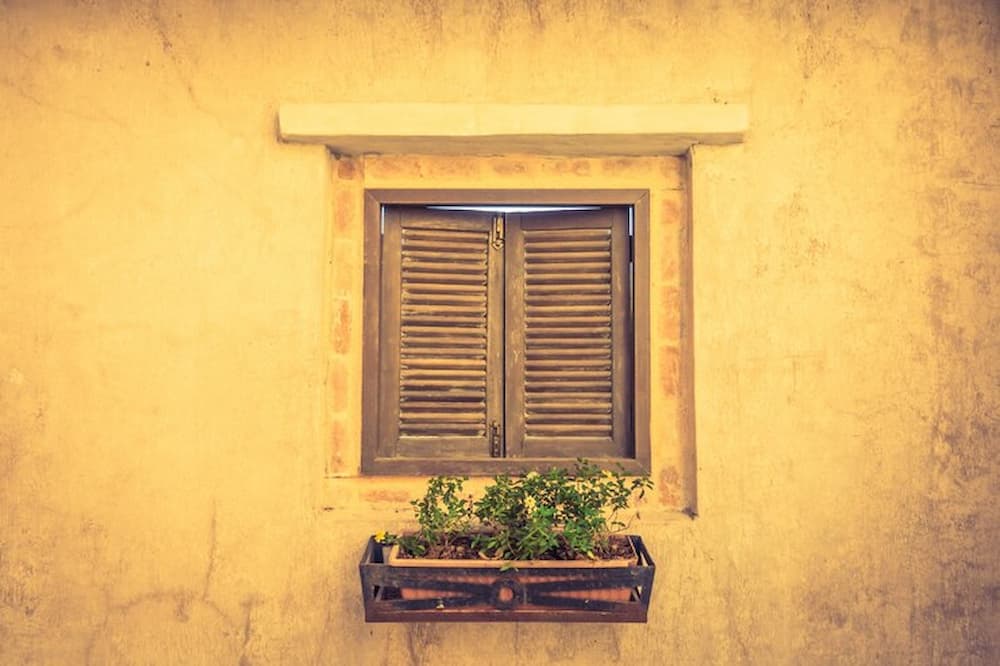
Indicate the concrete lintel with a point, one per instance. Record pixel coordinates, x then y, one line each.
490 129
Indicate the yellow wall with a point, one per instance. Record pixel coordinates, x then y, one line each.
168 316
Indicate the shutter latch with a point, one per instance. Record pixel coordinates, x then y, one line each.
496 440
497 240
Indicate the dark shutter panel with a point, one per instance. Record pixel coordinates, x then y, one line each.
569 346
441 328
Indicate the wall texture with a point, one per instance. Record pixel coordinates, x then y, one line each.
167 318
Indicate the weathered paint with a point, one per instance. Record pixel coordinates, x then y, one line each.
169 397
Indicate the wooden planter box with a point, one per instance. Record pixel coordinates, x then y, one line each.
460 593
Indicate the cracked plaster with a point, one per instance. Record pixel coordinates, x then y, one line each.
162 354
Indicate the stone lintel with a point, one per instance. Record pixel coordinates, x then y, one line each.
492 129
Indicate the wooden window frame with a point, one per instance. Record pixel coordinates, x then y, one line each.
376 199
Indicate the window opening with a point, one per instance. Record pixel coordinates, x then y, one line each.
505 334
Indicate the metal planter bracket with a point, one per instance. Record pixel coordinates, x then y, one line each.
473 594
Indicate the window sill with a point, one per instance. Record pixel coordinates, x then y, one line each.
383 502
491 129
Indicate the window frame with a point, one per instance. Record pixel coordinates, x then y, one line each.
374 201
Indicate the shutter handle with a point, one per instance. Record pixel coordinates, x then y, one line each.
496 440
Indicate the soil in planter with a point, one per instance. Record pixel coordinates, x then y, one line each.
461 548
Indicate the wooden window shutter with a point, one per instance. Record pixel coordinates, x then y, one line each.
569 337
441 333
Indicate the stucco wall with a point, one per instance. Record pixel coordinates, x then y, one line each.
166 327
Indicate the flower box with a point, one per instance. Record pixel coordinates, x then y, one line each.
480 591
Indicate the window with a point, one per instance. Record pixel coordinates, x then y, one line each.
501 337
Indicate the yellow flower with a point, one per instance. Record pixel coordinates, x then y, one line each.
607 474
380 536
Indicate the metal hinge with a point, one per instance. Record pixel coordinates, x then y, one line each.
497 240
496 440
